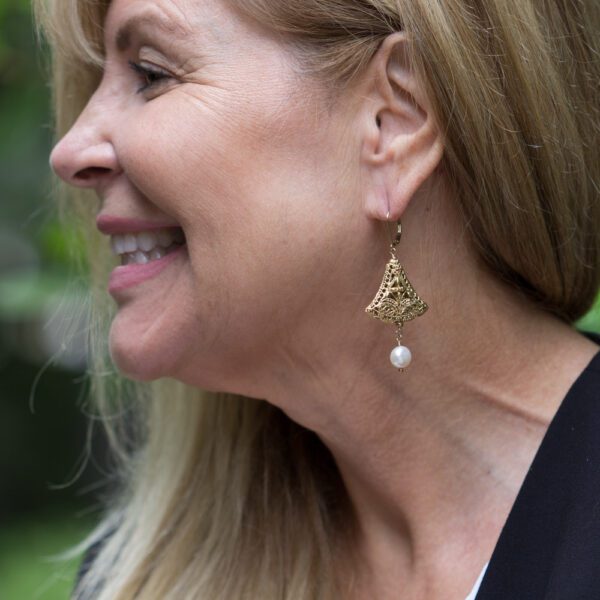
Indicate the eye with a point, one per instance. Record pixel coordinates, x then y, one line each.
150 76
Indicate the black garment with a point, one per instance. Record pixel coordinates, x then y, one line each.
549 547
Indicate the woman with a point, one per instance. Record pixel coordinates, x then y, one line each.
252 163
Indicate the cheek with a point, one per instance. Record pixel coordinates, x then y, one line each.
192 169
231 178
252 190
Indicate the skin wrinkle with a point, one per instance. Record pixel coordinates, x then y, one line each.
274 188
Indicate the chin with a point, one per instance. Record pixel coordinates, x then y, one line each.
132 369
134 359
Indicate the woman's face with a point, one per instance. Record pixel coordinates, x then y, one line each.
237 149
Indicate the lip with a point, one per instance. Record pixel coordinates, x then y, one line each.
126 276
113 225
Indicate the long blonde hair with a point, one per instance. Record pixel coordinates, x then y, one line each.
222 496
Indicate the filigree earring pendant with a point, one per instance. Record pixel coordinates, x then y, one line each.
396 302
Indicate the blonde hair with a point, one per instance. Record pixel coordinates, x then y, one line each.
223 496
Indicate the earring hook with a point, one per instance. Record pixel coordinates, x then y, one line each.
396 240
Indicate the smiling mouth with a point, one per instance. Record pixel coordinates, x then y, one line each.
132 274
147 246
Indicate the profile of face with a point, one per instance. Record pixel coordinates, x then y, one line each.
216 132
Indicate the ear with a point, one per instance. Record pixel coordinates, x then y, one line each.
402 145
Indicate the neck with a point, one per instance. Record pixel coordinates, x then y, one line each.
433 458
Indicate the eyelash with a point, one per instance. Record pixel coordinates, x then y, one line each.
148 73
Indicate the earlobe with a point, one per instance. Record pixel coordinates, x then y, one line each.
402 145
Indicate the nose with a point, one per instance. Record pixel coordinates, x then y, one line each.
85 156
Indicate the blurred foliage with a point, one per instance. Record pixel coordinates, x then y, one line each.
61 245
27 211
24 121
43 433
591 321
29 569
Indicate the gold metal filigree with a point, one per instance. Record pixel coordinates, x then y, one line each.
396 300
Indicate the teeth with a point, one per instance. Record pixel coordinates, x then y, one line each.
148 244
165 237
141 258
146 240
157 253
129 243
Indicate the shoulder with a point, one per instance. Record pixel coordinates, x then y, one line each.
550 544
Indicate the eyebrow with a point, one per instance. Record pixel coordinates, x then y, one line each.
123 37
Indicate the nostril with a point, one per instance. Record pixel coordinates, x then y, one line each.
91 173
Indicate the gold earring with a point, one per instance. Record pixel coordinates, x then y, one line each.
396 302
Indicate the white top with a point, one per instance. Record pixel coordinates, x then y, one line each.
475 589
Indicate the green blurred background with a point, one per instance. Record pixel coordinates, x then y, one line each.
48 500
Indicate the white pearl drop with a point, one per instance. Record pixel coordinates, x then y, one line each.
400 357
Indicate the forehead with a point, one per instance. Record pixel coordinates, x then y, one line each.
178 19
